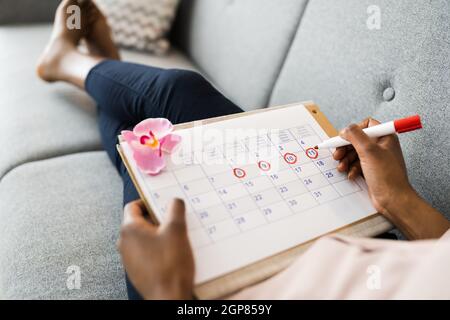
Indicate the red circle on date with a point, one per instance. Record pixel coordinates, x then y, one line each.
239 173
290 158
264 165
312 153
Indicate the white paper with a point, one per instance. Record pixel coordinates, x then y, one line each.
252 191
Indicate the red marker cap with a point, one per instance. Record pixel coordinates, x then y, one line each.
408 124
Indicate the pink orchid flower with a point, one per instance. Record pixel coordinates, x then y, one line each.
150 140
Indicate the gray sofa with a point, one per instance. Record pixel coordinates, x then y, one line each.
60 198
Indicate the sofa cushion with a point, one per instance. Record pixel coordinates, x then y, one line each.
399 70
240 45
39 120
173 59
140 24
57 214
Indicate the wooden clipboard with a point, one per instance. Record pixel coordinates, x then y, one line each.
263 269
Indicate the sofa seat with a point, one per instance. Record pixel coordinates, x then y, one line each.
68 214
38 120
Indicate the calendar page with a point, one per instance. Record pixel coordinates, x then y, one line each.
254 186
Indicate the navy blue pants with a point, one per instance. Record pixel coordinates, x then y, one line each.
128 93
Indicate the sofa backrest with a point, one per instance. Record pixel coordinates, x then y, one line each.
239 45
401 69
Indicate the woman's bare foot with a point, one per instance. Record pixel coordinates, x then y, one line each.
62 45
61 60
98 37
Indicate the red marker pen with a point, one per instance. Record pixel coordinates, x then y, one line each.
384 129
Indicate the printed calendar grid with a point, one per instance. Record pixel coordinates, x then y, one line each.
269 188
275 186
334 187
236 219
231 215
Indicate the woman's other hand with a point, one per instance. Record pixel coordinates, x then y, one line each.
158 260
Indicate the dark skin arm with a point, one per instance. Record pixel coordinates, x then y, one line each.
159 260
382 164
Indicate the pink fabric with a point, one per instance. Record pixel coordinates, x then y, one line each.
338 267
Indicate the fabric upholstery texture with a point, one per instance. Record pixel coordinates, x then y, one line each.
34 115
239 45
402 69
67 215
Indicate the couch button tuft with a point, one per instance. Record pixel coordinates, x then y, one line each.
389 94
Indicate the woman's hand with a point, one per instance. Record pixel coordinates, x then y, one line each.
158 260
380 161
382 164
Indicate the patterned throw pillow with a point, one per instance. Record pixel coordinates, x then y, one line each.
140 24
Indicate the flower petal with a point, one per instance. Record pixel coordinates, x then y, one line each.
159 126
128 136
170 142
133 141
149 161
